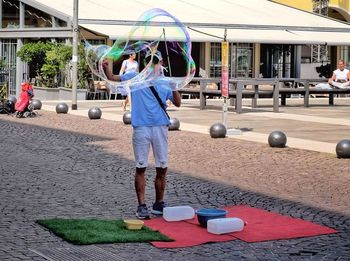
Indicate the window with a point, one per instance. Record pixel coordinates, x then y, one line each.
8 49
96 41
215 60
345 54
61 23
241 60
281 61
10 14
36 18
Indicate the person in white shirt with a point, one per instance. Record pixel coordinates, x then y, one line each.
341 76
128 65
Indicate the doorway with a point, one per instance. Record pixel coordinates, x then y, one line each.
277 60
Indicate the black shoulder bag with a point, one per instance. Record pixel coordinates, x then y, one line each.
155 93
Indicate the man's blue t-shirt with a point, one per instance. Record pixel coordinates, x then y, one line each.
145 109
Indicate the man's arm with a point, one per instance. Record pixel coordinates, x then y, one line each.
177 98
108 68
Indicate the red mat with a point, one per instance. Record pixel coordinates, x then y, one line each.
184 234
263 225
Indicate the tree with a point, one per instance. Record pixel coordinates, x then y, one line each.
35 53
52 63
84 71
56 60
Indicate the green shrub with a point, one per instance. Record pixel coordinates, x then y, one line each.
52 63
34 53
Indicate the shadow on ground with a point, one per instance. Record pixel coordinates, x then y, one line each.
49 172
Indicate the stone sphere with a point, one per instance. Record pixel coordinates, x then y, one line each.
218 130
13 99
174 124
127 117
10 106
343 149
36 104
277 139
95 113
62 108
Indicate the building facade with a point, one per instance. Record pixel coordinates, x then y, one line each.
272 51
28 21
336 9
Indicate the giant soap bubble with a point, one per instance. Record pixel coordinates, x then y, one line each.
155 31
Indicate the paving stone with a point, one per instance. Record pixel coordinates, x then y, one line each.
67 167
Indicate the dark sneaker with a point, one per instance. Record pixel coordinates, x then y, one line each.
157 208
142 212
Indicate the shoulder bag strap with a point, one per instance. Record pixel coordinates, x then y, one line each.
155 93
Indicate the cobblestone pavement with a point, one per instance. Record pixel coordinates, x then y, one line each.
69 166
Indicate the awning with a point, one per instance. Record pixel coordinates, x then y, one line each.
201 34
249 21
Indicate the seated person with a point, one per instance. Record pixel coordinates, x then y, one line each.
341 76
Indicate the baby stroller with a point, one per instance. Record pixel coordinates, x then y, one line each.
23 106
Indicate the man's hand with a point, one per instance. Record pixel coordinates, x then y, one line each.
107 67
105 64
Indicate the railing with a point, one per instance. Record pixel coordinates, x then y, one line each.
4 91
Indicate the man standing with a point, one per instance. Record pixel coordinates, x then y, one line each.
150 122
340 77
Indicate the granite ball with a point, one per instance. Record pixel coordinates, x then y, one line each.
218 130
343 149
277 139
127 117
36 104
13 99
94 113
62 108
174 124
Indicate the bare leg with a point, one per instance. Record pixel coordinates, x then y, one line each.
125 103
159 183
140 184
337 84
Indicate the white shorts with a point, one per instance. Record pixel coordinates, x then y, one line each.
145 137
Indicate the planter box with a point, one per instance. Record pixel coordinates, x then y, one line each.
60 93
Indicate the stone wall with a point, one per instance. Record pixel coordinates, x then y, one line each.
61 93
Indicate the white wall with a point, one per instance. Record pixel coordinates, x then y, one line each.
308 70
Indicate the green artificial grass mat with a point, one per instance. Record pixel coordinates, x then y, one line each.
94 231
